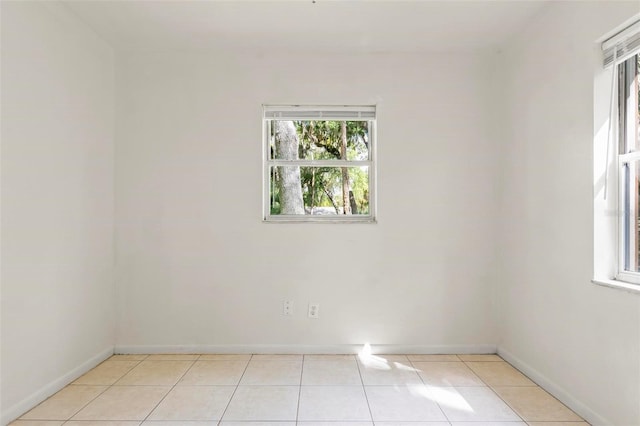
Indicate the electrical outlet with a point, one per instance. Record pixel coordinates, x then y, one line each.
314 310
287 308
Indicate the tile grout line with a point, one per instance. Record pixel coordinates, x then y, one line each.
508 405
364 390
93 399
490 387
300 390
129 371
70 417
193 362
427 388
466 364
235 390
107 387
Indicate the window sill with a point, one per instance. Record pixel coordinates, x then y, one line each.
618 285
306 219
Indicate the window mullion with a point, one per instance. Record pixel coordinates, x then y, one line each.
321 163
627 158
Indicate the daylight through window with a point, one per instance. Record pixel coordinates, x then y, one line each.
319 163
629 168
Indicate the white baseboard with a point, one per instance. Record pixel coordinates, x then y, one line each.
305 349
554 389
46 391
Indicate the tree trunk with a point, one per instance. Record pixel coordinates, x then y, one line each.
346 204
289 183
353 203
313 190
330 197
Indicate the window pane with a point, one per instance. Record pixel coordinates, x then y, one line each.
631 208
319 191
629 105
319 140
637 103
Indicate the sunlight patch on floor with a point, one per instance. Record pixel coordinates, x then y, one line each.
372 361
449 398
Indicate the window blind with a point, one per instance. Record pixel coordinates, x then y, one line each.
617 49
622 46
299 112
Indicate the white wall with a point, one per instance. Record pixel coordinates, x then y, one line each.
198 270
57 201
579 339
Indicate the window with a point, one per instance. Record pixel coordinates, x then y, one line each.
616 167
629 169
319 163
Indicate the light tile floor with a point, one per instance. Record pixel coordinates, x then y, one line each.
309 390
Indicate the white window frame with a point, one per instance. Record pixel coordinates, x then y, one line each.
610 159
315 112
626 111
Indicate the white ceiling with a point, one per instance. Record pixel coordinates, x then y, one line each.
326 25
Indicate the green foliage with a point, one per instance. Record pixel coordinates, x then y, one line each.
322 186
321 140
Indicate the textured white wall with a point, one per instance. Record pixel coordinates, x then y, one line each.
57 199
582 338
197 267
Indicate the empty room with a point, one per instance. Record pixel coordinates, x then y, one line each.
320 213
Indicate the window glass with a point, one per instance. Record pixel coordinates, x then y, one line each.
629 165
319 168
322 191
